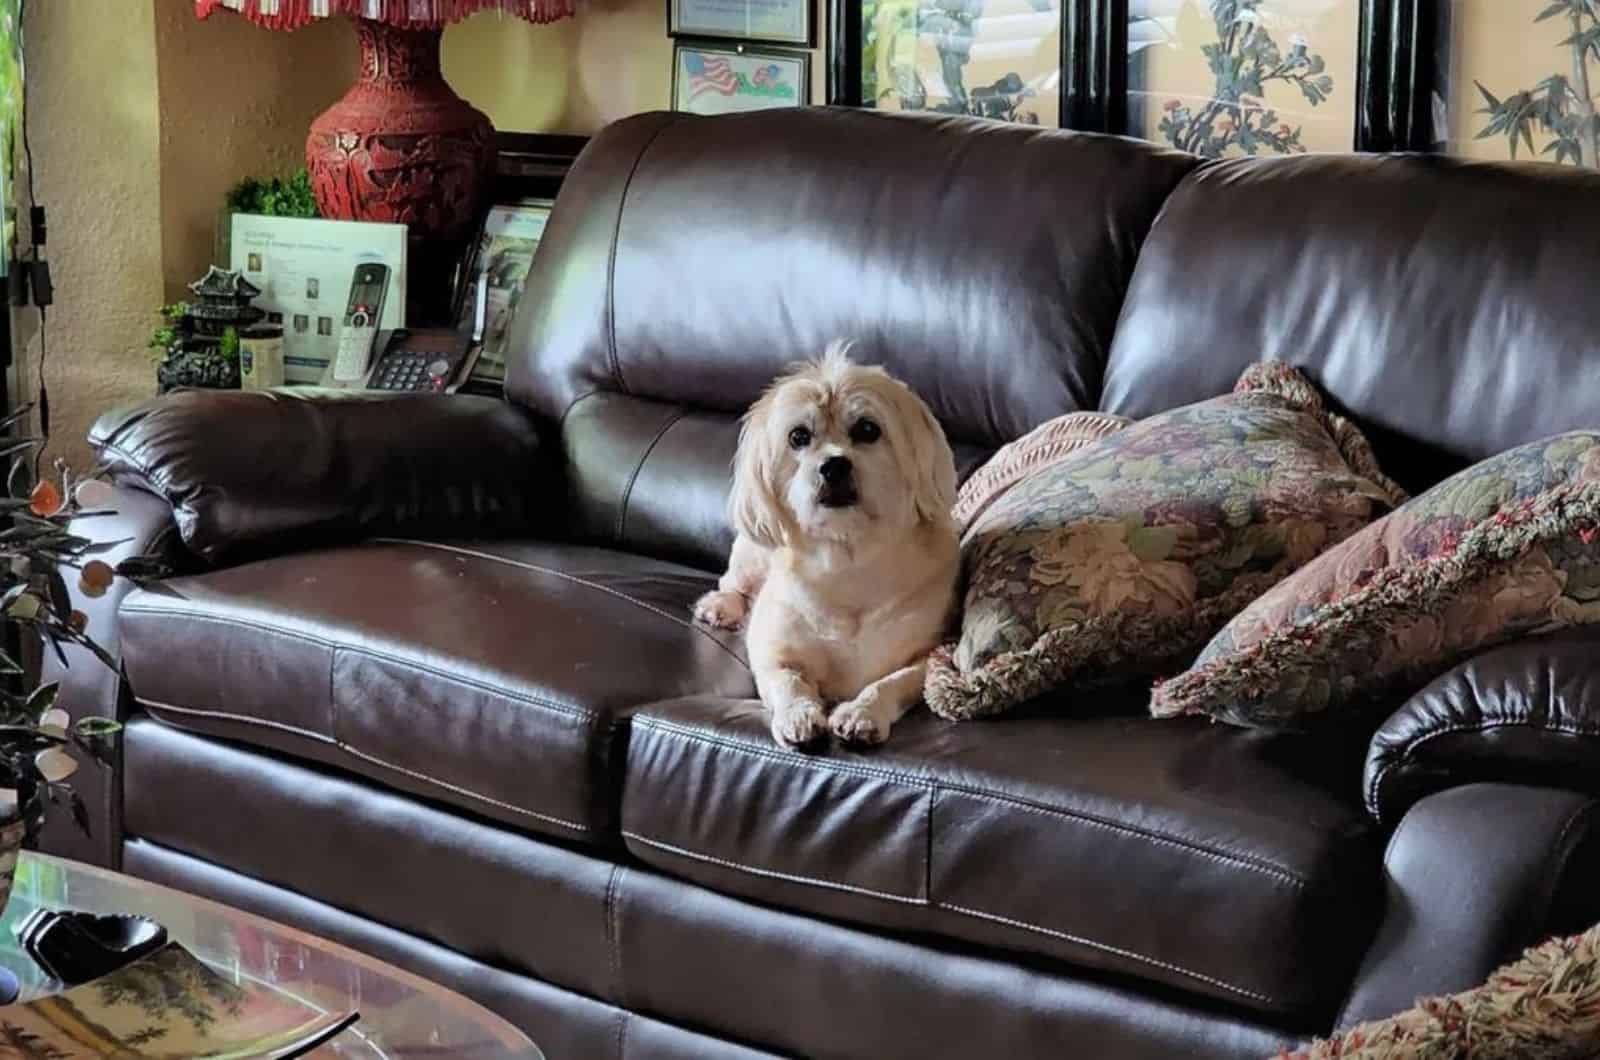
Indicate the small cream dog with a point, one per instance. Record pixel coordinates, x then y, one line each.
847 558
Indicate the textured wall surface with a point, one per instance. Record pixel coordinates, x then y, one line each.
95 128
236 101
141 119
613 60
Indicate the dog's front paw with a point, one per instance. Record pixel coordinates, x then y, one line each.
854 723
721 609
799 724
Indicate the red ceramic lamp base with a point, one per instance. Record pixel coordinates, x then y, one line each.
401 146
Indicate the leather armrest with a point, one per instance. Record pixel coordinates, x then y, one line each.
1525 712
141 526
252 472
1472 876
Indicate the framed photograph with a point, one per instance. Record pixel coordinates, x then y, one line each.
770 21
712 78
501 256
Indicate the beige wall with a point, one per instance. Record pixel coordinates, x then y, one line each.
575 76
236 101
96 146
141 119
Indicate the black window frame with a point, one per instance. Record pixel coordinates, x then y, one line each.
1401 63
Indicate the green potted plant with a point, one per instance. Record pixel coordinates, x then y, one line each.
288 196
41 746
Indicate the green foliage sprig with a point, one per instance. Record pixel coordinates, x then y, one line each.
274 196
165 336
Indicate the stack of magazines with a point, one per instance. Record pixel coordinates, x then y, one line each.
166 1005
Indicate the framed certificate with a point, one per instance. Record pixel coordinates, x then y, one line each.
770 21
712 78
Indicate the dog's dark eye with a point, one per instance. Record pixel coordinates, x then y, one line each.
799 438
865 432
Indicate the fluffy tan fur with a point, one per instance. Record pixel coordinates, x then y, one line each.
842 602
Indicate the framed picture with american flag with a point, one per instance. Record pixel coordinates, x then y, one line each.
710 77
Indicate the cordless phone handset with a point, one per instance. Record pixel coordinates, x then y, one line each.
362 314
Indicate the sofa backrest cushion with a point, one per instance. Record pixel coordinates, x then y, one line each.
689 260
1449 306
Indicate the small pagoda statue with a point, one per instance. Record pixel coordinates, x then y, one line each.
204 349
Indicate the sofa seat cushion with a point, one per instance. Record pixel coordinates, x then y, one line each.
1221 862
490 676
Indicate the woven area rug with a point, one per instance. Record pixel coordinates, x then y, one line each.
1544 1006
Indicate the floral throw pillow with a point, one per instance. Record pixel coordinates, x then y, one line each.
1119 560
1039 448
1507 547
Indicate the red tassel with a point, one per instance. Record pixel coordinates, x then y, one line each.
416 14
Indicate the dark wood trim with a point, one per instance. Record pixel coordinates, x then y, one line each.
844 53
1111 69
532 164
1094 65
1400 65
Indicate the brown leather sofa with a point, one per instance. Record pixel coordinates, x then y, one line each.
427 682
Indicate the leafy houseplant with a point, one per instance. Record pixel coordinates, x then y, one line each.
1562 107
275 196
38 552
1244 60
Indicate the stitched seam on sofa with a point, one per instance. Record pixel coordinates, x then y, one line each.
561 424
245 719
1482 725
553 706
134 465
1559 856
1265 867
790 759
627 491
563 575
611 935
620 993
616 237
789 877
1108 948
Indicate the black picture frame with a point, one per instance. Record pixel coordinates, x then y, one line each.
1402 67
807 40
744 49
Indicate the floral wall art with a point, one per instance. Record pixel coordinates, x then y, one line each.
1536 98
988 58
1227 78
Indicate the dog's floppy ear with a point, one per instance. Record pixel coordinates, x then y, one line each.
933 476
753 504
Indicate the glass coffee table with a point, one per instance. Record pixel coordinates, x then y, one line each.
401 1015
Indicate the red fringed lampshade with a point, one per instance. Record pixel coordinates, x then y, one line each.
400 146
412 14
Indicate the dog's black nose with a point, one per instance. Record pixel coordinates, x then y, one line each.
835 469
